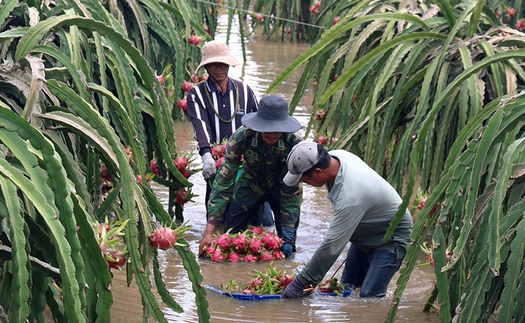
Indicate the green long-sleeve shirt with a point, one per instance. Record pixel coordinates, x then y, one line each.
364 204
263 168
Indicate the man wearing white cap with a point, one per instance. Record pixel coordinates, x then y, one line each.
364 204
216 107
260 146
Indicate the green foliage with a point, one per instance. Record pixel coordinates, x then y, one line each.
431 96
83 117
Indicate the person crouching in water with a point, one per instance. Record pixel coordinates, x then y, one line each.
261 145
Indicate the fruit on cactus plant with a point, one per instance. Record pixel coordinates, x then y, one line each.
181 163
182 104
322 140
195 40
181 196
319 114
186 86
154 167
116 259
163 238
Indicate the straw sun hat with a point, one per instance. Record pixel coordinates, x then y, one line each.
216 52
271 116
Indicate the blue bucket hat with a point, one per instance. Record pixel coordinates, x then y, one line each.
271 116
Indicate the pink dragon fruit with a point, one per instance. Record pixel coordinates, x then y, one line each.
255 246
285 279
217 151
163 238
116 259
224 241
218 256
239 242
234 256
266 255
270 242
249 258
259 231
211 249
278 255
255 283
181 163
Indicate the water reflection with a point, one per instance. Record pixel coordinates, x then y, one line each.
265 60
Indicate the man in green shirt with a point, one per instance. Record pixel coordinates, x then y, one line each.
261 146
364 205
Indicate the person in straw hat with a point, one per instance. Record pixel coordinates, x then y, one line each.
261 146
364 205
216 107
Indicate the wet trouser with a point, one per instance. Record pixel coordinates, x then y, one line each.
262 217
237 218
372 271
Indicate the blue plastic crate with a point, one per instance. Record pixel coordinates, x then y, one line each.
255 297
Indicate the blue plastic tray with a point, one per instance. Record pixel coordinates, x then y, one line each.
255 297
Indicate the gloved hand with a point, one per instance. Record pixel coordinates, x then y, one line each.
208 166
287 250
288 236
294 289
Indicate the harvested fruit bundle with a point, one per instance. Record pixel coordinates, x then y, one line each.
331 285
254 244
271 282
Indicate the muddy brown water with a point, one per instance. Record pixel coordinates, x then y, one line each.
265 61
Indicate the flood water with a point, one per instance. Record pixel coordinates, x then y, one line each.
265 61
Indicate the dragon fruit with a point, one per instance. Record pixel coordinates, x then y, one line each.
249 258
239 242
115 259
163 238
255 246
224 241
285 279
233 256
218 256
278 255
266 255
271 241
258 231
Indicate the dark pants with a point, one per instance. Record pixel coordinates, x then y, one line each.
263 215
372 271
238 218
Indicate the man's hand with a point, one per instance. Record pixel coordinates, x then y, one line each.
208 166
295 289
289 239
207 238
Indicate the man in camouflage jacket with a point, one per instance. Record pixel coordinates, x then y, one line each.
261 146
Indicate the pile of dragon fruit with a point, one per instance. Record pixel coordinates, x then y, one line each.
271 282
252 245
